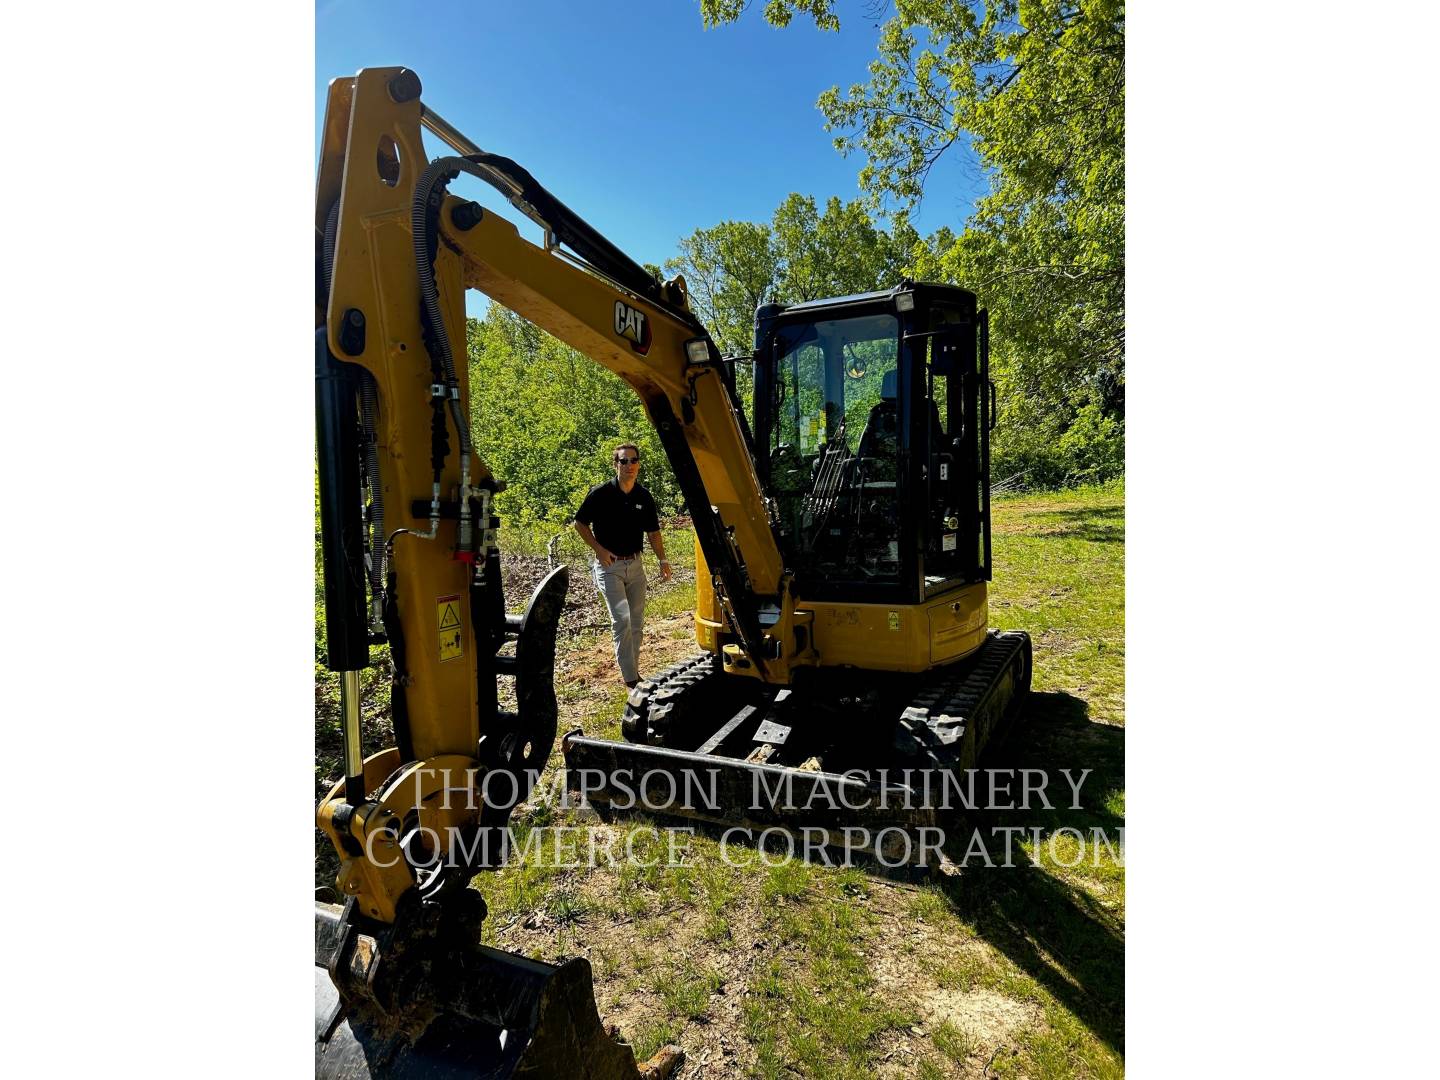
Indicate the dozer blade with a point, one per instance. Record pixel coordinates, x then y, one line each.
404 1003
822 809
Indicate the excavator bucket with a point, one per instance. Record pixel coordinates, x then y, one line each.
424 999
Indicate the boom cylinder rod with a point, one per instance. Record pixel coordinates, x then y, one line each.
442 129
350 726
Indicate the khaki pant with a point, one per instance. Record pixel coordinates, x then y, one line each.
622 584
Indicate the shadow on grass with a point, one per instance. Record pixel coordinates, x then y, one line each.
1083 513
1057 934
1102 524
1100 534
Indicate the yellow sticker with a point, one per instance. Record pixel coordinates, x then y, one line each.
894 620
448 611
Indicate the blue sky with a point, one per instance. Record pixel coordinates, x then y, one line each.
640 120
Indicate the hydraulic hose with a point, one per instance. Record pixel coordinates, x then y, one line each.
446 169
424 214
368 409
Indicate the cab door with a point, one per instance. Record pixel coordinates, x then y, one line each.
960 415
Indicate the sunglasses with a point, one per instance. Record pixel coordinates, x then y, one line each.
627 461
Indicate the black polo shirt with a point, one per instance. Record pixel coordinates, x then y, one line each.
619 520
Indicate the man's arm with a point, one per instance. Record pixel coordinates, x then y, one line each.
605 556
657 544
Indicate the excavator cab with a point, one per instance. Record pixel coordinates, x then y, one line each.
871 429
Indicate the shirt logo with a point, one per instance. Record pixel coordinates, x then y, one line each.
633 326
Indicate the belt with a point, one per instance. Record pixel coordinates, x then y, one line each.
626 558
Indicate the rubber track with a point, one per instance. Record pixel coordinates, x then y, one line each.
933 727
655 705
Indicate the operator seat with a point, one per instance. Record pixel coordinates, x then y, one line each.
881 437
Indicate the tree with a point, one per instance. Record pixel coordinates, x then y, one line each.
1036 88
839 252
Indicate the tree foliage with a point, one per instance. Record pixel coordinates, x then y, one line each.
839 252
801 254
730 270
778 12
1036 88
545 418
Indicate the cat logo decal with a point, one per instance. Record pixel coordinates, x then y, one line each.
633 326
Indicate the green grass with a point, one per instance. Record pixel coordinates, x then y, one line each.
786 881
954 1043
652 1036
1060 574
837 973
686 989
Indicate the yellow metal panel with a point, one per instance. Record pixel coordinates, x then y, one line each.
957 623
861 635
899 637
945 628
709 620
377 769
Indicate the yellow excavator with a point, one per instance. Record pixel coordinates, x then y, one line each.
842 538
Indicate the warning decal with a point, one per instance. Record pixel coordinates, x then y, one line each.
447 609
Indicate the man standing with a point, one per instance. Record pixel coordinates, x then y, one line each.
614 519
